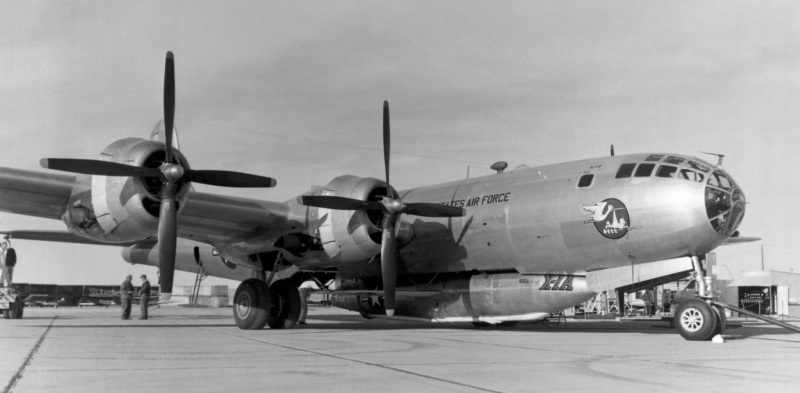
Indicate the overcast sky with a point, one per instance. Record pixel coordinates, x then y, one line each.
294 90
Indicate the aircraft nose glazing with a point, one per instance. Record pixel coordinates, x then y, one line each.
725 203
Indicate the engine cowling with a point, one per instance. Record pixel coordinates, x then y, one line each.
350 236
116 208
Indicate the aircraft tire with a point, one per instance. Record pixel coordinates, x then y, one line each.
285 305
722 320
251 305
19 305
365 315
695 320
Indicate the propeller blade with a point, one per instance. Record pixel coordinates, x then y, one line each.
167 238
97 167
338 203
434 210
389 263
229 179
169 102
387 143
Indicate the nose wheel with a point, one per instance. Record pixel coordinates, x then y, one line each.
696 320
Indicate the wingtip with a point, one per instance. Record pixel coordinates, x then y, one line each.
45 163
389 313
165 296
385 103
170 55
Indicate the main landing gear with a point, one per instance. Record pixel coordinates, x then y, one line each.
697 319
260 301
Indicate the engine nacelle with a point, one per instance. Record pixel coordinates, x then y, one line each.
117 208
351 236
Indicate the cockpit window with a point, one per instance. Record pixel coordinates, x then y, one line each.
666 171
644 170
625 170
688 174
717 179
674 160
725 203
654 157
699 166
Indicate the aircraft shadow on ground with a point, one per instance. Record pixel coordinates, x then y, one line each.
351 322
135 326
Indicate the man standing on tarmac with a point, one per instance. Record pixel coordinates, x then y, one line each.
144 296
125 295
5 277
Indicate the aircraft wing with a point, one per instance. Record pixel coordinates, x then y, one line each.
37 194
219 219
207 218
57 236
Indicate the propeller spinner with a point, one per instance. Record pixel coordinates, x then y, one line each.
171 174
392 207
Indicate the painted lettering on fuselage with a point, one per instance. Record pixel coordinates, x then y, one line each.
556 282
479 200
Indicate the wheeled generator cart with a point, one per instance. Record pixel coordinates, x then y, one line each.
11 303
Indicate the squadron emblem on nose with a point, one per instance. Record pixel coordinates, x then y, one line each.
610 217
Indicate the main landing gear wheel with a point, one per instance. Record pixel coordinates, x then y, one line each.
251 304
695 320
722 320
14 310
286 307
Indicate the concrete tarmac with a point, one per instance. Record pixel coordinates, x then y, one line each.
201 350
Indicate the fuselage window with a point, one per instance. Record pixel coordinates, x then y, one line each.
625 170
666 171
654 157
644 170
688 174
674 160
585 181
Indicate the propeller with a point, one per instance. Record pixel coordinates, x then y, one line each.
392 207
171 173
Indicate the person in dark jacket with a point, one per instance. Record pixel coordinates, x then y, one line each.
144 296
125 295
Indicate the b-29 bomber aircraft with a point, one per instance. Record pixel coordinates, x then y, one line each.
505 248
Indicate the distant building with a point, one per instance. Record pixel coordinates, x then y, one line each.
762 292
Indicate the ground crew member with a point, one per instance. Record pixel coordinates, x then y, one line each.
144 296
5 280
125 295
648 303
